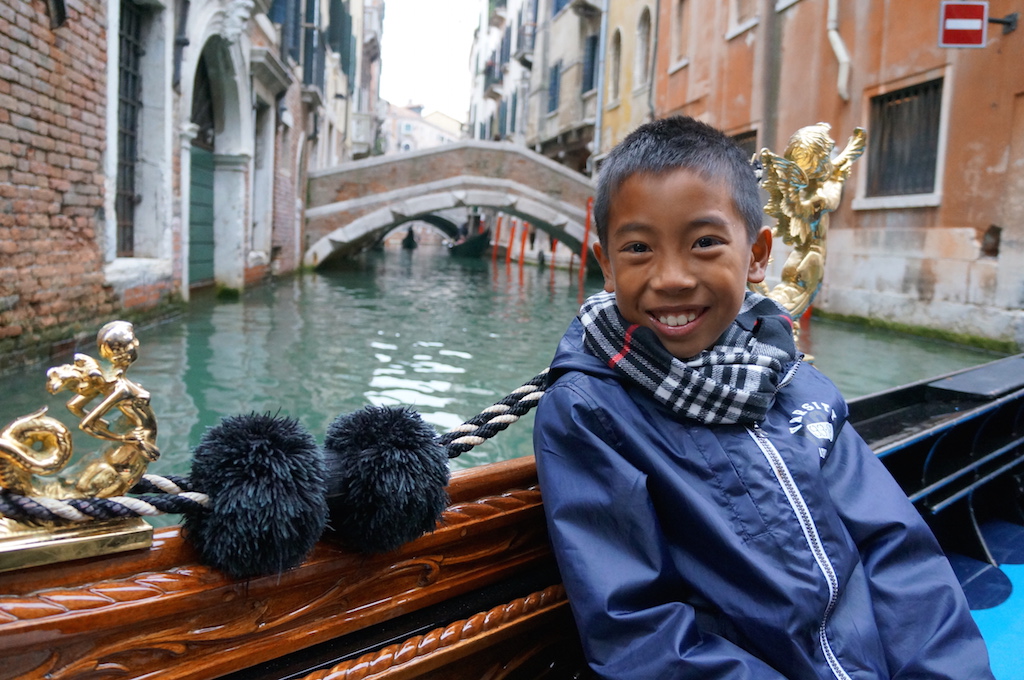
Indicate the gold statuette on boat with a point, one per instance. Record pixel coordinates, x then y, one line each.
36 457
804 185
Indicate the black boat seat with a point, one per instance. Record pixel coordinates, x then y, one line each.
989 381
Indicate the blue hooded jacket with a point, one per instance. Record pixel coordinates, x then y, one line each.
785 550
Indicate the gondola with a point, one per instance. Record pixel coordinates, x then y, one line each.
473 246
409 240
480 596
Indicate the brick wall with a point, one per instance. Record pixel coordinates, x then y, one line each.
285 187
52 111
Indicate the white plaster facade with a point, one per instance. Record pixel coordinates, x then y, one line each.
271 125
405 128
500 57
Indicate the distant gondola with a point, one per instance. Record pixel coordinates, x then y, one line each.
409 242
474 246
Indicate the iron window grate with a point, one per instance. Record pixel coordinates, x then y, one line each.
129 105
904 140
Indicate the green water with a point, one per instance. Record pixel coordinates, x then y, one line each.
446 336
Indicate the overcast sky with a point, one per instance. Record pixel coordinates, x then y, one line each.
425 54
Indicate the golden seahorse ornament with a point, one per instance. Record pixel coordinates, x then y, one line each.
35 444
35 450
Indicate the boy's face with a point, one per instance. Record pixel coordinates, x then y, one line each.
678 258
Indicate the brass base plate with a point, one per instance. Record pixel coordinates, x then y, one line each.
23 546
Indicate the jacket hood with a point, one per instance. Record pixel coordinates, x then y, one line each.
572 355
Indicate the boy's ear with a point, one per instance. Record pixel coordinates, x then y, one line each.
760 250
606 268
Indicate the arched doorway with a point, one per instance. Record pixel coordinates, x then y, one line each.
201 189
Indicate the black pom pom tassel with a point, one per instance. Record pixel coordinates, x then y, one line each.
265 477
386 478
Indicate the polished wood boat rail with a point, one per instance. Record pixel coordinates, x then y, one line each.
159 613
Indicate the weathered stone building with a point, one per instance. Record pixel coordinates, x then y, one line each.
151 147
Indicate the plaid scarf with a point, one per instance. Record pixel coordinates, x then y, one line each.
734 382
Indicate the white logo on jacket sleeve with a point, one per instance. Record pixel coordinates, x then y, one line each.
814 420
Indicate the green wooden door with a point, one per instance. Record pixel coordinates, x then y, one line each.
200 220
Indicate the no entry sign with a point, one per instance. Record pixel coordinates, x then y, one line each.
963 24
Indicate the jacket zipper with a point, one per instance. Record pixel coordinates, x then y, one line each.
803 514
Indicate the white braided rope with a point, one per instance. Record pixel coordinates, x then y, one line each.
141 507
471 440
60 508
136 506
531 393
162 483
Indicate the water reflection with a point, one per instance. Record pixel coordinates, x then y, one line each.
448 337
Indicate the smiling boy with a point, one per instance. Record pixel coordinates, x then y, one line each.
701 528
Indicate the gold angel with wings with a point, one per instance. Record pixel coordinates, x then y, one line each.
804 185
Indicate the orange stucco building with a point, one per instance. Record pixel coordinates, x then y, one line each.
931 229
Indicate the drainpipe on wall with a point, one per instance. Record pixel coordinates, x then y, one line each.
771 65
180 43
654 61
839 48
602 39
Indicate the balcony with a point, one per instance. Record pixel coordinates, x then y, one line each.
493 80
363 129
497 13
524 45
373 28
586 9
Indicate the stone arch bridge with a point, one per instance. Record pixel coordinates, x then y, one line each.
352 206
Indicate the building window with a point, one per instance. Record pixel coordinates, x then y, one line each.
680 28
554 84
744 11
642 65
506 46
742 16
288 13
314 49
557 6
904 140
130 104
616 64
589 62
513 112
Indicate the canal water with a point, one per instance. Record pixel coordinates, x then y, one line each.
446 336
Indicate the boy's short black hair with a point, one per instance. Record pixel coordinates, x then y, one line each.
675 143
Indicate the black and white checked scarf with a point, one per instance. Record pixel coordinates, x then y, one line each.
734 382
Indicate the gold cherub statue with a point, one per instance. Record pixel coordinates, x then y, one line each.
35 449
804 185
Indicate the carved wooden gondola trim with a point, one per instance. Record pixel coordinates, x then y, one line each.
147 610
431 648
115 593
